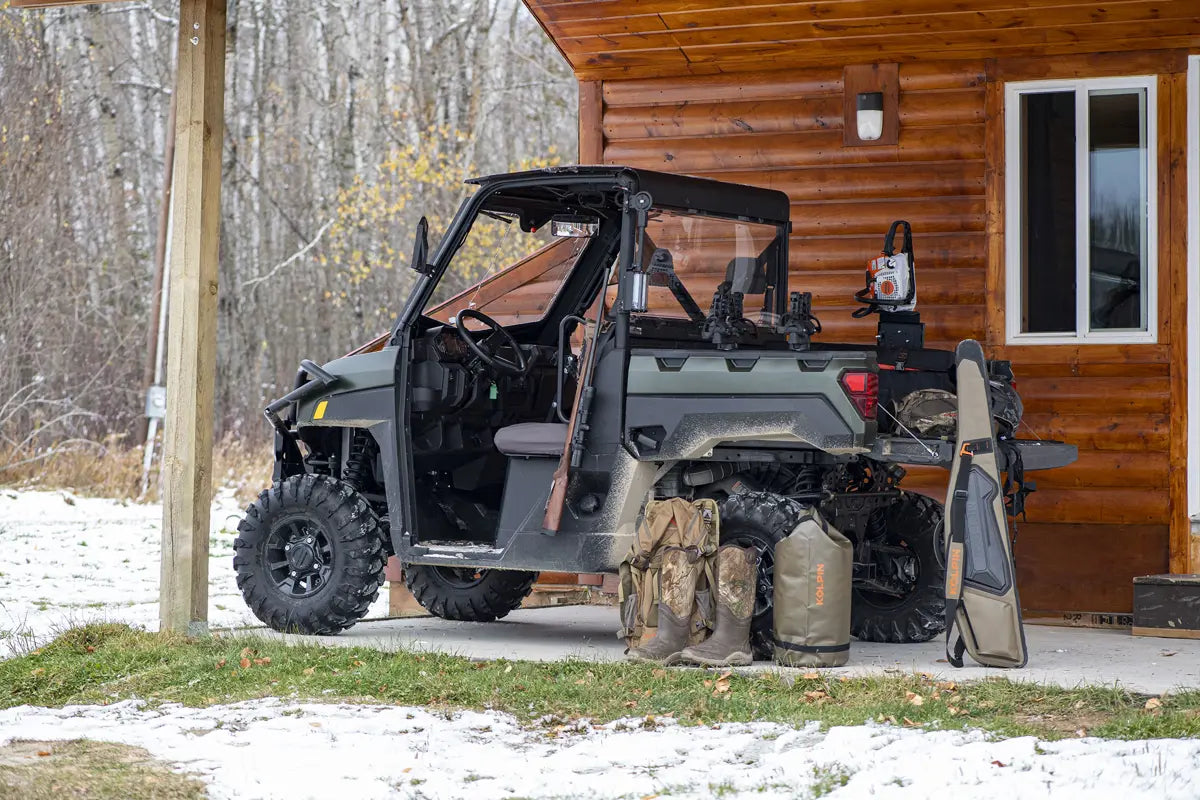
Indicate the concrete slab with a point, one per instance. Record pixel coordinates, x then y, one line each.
1059 656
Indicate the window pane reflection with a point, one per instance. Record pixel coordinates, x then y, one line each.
1118 201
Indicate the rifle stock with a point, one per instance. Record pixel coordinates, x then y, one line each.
572 449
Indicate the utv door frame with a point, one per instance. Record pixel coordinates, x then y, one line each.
396 451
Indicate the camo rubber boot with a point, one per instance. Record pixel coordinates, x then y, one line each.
729 645
681 569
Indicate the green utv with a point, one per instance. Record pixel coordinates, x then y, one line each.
646 346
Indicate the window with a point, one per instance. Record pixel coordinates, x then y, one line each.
1081 211
704 252
505 272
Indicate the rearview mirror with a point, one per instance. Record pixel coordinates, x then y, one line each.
574 226
420 257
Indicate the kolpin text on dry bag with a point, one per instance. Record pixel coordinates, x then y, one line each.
983 612
814 567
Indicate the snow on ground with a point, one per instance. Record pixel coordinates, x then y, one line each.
280 749
66 560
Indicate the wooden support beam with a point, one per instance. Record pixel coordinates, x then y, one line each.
192 328
591 122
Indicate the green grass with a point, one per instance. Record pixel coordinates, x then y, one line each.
829 778
97 770
103 662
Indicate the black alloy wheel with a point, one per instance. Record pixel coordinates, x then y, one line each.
309 556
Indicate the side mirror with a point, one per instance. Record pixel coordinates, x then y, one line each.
420 257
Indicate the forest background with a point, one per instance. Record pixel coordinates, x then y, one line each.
346 120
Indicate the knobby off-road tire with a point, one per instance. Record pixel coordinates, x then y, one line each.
916 522
468 595
309 556
760 519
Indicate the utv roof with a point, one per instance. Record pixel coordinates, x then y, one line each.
669 190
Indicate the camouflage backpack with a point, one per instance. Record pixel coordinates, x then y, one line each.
667 523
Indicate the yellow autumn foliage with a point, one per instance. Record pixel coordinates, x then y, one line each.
369 244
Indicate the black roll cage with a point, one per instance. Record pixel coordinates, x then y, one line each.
677 193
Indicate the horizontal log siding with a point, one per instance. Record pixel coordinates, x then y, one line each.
1090 527
783 130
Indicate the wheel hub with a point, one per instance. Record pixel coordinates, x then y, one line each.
300 556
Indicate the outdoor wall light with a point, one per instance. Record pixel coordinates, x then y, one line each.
871 105
870 116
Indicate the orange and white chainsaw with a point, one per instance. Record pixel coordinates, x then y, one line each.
891 276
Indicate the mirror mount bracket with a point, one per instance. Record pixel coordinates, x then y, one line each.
420 257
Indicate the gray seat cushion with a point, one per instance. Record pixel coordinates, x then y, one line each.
532 439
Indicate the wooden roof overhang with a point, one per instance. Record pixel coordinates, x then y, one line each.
609 39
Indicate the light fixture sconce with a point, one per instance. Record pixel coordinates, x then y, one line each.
870 116
871 104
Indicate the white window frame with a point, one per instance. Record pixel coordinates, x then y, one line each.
1012 192
1193 284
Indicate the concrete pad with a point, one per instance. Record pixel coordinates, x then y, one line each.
1059 656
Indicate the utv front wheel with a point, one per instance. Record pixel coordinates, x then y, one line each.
907 556
466 594
309 556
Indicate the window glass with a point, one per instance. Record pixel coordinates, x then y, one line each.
1080 236
516 274
1117 226
703 252
1048 229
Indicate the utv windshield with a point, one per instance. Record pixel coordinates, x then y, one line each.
689 256
507 273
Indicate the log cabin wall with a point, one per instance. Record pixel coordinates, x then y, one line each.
755 95
1091 527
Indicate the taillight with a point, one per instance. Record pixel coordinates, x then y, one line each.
863 389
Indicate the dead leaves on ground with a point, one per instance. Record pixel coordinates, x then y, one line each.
720 687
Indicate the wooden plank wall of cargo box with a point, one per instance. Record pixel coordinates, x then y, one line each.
761 94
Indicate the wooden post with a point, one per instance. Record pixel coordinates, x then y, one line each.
591 122
192 326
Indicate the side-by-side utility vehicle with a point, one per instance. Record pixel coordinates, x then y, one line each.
645 344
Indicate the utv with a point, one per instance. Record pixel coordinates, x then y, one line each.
481 442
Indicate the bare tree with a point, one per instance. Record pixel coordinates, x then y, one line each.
345 122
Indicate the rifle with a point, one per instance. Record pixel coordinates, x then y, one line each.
577 428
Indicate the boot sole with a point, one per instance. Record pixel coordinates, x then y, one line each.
739 659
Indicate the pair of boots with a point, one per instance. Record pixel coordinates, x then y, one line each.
729 644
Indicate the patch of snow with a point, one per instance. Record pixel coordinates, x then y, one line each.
278 749
67 560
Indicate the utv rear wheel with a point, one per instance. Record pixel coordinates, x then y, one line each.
309 556
468 595
760 520
914 565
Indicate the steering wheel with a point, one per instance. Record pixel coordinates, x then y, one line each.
487 348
